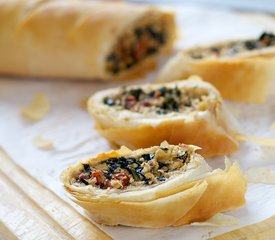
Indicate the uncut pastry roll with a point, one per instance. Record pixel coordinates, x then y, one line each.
190 111
82 39
240 70
160 186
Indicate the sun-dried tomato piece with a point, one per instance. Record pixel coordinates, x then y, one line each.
130 101
98 175
146 104
123 177
108 183
84 176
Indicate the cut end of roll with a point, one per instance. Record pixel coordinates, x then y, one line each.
141 116
165 185
246 65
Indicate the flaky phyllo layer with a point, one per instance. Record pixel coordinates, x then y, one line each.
233 48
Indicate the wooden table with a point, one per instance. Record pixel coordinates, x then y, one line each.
30 211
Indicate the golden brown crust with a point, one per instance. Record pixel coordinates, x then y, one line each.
241 78
70 39
158 213
182 201
212 142
211 130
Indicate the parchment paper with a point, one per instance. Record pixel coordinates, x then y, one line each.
71 129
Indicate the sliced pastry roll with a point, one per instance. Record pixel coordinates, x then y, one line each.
190 111
241 70
166 185
82 39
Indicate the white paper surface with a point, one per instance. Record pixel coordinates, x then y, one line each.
71 129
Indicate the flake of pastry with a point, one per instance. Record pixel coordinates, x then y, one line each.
83 103
42 143
268 142
260 175
272 126
38 107
218 220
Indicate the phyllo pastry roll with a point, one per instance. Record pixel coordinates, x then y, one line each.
240 70
166 185
190 111
82 39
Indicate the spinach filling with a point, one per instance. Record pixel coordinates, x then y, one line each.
146 169
136 45
160 101
265 40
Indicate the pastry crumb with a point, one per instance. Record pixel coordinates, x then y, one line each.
236 111
38 108
260 175
272 126
84 103
268 142
218 220
42 143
